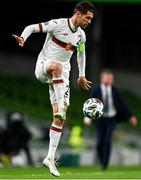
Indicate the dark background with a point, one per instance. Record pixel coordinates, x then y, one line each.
113 41
119 43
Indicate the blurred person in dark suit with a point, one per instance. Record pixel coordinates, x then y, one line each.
115 111
14 138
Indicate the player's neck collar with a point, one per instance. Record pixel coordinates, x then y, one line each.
72 27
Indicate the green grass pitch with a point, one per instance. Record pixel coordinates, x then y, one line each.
71 173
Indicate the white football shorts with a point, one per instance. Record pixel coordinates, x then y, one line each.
46 78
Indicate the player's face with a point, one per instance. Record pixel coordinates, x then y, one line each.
107 79
84 20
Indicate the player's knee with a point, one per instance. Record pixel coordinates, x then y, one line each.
58 122
57 67
53 68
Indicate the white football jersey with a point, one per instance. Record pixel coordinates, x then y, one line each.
61 40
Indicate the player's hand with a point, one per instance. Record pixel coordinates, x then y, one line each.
133 120
19 39
87 121
84 83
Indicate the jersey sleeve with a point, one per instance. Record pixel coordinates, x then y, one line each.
83 37
81 55
49 26
28 30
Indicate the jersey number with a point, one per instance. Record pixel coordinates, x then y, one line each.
79 36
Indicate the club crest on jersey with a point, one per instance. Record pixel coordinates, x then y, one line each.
68 46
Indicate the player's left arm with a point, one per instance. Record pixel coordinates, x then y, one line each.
81 60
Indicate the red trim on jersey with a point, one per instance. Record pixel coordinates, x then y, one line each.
40 27
55 129
62 44
58 81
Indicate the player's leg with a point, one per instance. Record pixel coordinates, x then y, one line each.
54 69
56 129
57 125
55 135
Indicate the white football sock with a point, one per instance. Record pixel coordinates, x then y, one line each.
55 134
58 85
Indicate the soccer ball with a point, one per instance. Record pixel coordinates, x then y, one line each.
93 108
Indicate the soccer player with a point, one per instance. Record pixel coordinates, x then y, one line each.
64 35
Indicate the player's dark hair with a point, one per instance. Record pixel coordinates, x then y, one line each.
84 7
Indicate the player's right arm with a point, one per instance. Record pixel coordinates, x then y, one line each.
19 39
26 33
45 27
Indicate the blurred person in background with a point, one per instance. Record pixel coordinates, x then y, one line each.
76 140
115 111
64 35
14 138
